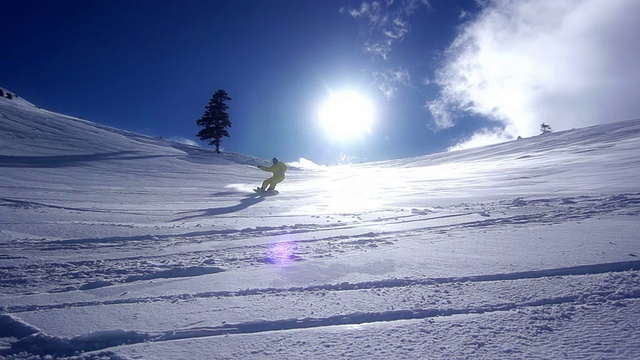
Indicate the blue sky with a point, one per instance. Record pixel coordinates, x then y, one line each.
440 73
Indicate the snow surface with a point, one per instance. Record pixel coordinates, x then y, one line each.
115 245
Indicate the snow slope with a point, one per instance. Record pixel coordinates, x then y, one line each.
115 245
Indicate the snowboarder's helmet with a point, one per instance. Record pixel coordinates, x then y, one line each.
275 160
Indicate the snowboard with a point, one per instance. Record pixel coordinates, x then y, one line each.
266 192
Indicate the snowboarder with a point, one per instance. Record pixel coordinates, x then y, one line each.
278 169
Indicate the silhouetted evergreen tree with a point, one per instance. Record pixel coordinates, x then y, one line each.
215 120
9 96
1 93
545 128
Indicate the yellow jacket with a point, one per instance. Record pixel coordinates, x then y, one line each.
278 169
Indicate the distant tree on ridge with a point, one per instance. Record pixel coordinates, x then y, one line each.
215 120
545 128
1 93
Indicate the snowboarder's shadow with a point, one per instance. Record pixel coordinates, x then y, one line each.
245 202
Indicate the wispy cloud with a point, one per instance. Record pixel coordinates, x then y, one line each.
387 22
566 63
389 80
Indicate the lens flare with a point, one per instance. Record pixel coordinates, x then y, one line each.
282 254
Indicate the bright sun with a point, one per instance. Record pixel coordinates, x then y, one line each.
346 114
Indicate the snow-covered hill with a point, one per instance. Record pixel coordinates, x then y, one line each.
117 245
15 98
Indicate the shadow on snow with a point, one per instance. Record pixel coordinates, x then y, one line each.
67 160
246 202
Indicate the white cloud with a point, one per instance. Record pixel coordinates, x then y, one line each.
442 113
389 80
387 22
566 63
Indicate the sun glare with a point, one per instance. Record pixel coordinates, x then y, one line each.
346 114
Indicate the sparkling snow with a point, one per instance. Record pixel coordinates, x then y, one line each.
115 245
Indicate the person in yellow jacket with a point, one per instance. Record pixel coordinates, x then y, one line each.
278 169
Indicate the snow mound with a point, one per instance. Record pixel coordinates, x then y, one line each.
43 344
305 164
11 326
12 98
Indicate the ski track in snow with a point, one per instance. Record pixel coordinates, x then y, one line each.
421 298
129 245
318 242
446 297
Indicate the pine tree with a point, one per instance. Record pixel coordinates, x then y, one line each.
1 93
545 128
215 120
